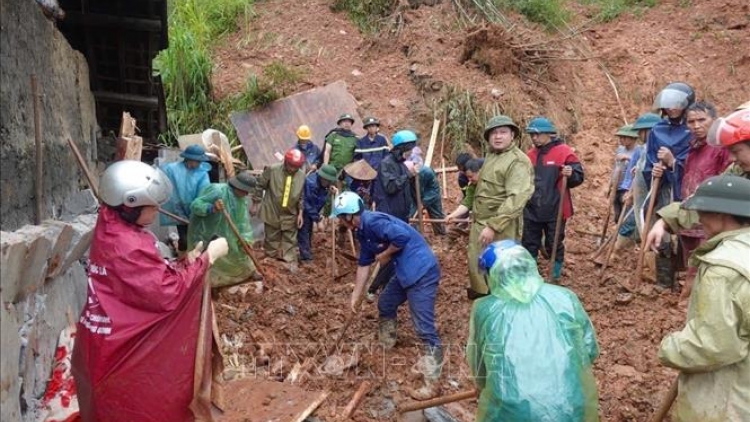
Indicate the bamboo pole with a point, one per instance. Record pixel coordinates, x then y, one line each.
39 154
420 216
655 183
419 405
558 226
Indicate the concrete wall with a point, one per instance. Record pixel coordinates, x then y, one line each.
42 280
42 288
29 43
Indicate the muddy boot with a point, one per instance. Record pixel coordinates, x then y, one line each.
665 272
430 365
387 333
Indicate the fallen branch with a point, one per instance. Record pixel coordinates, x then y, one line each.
419 405
356 399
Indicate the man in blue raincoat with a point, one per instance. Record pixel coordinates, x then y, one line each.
667 148
531 344
188 178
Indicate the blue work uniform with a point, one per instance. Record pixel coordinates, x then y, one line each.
310 151
676 137
315 196
417 273
372 150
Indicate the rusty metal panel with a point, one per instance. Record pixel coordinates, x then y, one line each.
272 129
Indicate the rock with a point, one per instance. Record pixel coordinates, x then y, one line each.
496 93
623 298
625 371
356 72
394 102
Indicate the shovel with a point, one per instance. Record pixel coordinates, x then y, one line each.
655 183
349 320
558 225
245 246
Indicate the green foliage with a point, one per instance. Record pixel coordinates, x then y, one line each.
550 13
609 10
366 14
467 117
185 66
277 81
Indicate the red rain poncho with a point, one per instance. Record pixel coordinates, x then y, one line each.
134 354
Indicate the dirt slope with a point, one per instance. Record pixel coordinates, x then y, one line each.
704 44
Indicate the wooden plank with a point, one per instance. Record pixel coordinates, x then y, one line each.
272 129
431 146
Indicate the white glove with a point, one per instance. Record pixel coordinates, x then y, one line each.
216 249
195 253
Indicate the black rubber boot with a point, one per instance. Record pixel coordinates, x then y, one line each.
473 294
665 272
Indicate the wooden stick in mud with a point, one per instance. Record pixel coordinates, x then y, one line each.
558 226
613 243
39 154
655 183
361 392
245 246
439 220
419 405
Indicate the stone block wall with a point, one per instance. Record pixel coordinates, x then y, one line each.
30 44
42 286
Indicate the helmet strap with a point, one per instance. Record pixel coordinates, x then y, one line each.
130 215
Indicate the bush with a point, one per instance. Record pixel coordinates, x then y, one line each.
609 10
366 14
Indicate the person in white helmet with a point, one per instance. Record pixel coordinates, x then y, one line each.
134 354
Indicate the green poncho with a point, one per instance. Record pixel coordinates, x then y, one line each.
236 267
531 347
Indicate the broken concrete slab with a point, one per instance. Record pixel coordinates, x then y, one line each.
13 247
272 129
34 264
83 232
60 235
10 386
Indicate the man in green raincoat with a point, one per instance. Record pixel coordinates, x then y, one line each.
207 220
531 345
506 182
713 350
281 206
340 143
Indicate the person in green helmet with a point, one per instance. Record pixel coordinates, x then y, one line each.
712 350
627 137
506 183
340 143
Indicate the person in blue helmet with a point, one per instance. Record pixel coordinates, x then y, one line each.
372 147
667 148
552 159
387 239
392 189
531 345
188 177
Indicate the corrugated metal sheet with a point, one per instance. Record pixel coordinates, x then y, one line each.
272 129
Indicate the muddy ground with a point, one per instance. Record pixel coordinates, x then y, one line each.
606 74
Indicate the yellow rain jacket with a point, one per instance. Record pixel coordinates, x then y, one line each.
713 350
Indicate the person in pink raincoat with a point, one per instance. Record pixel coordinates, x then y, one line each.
134 354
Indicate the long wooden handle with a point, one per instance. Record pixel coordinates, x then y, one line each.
420 216
610 205
439 220
610 250
353 315
558 225
419 405
666 404
245 246
655 182
201 403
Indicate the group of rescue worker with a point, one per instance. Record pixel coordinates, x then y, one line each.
531 345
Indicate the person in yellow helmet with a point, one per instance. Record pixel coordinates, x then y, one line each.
307 147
